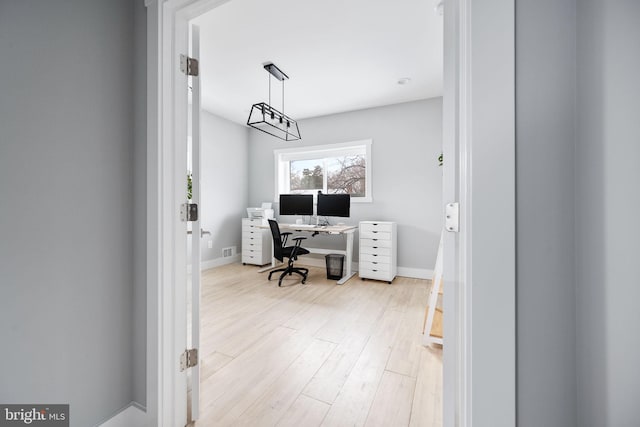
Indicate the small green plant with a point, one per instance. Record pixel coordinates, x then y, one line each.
440 159
189 186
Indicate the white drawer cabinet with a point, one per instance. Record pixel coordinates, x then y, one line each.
378 250
256 242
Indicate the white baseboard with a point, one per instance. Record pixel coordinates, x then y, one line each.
219 262
414 273
131 416
312 261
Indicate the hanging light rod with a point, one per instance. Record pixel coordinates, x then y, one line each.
275 71
265 118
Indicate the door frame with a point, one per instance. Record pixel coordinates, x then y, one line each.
479 173
479 358
167 103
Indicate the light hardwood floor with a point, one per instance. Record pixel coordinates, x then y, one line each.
318 354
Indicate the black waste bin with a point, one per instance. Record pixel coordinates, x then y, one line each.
335 264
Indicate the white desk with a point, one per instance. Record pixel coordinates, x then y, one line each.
336 230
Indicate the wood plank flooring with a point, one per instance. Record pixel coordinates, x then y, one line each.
318 354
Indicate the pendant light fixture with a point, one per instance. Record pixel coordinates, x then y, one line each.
267 119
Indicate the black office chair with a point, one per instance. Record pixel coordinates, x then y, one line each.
281 250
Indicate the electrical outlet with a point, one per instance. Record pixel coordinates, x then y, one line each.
210 244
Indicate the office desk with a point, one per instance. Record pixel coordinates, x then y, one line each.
335 230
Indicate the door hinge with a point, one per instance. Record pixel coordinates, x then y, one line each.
188 212
188 359
189 66
452 217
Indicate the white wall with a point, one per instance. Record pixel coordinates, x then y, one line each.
139 336
545 138
407 181
225 181
607 210
66 217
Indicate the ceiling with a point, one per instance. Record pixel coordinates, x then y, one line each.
340 55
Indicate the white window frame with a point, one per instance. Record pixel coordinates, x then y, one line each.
283 157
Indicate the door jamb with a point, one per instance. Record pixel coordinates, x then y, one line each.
167 26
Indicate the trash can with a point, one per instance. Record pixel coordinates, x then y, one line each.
335 264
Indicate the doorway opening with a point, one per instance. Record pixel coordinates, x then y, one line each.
479 91
361 344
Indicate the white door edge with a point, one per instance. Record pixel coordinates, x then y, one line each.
196 237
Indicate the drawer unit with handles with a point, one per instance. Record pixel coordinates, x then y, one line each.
378 258
256 242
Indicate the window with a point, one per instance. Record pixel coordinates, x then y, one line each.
335 168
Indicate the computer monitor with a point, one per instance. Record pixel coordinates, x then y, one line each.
334 205
296 204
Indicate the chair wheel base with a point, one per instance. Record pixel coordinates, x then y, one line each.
303 272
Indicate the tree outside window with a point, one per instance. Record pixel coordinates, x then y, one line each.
305 175
347 175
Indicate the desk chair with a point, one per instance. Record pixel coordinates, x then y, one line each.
281 250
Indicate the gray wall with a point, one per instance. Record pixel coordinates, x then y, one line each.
224 154
545 136
407 181
66 174
578 144
607 209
